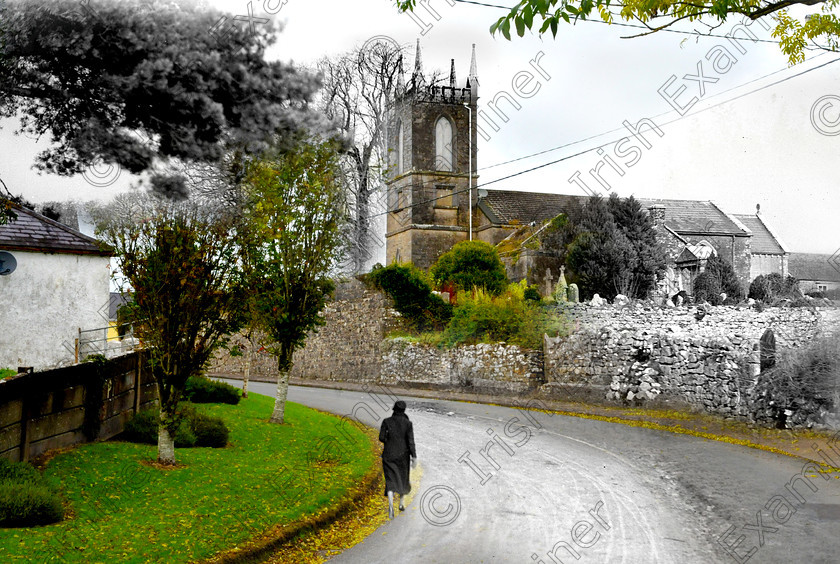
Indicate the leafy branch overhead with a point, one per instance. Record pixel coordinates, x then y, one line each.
794 35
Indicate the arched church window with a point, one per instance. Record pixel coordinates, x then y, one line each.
444 154
400 149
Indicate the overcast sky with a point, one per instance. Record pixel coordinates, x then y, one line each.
749 138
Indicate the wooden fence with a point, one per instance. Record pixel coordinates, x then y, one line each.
66 406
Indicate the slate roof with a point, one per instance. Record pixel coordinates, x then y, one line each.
682 216
812 266
32 232
763 241
509 206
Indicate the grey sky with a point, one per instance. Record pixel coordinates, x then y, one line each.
760 147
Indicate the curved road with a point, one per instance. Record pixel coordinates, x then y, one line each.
505 485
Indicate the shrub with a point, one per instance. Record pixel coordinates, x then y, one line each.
203 390
803 383
481 317
726 277
196 429
7 373
707 288
410 290
26 504
770 288
471 264
26 499
532 294
209 431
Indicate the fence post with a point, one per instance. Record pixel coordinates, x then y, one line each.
137 387
25 430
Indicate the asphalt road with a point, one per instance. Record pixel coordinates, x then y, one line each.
504 485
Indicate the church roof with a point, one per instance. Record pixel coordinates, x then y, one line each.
32 232
681 216
763 241
813 266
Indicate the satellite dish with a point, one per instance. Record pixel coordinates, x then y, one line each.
7 263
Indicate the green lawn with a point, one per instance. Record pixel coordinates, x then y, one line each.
126 511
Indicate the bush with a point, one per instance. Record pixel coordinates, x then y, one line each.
707 288
26 504
210 431
802 387
26 499
410 290
471 264
196 429
770 288
481 317
726 277
532 294
203 390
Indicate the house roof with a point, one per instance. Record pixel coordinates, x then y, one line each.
681 216
811 266
32 232
763 241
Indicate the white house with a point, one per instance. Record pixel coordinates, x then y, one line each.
53 282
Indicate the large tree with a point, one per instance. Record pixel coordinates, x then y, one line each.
295 218
181 262
793 34
357 89
614 250
138 82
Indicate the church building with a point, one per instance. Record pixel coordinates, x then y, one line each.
435 201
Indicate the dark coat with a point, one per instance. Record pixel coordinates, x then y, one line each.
397 433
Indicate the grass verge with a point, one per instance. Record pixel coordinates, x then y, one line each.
120 507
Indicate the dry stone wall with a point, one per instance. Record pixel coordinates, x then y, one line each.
707 359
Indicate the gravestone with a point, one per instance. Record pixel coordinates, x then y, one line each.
767 345
574 295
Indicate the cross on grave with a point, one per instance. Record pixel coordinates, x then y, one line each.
549 287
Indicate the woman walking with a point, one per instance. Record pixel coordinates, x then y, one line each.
397 433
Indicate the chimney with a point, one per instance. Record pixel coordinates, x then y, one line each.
657 214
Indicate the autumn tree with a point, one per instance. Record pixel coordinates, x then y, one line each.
295 218
357 87
181 263
138 82
794 35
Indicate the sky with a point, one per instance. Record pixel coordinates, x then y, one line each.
733 122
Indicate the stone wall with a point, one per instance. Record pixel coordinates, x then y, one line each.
347 347
640 352
486 367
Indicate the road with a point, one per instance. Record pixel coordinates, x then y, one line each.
505 485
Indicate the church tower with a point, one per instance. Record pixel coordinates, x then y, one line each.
431 139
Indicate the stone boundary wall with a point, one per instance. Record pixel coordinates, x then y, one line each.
41 411
486 367
617 353
347 347
640 352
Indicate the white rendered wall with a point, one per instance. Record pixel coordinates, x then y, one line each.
45 301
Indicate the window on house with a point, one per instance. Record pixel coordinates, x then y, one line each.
444 198
444 155
400 149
